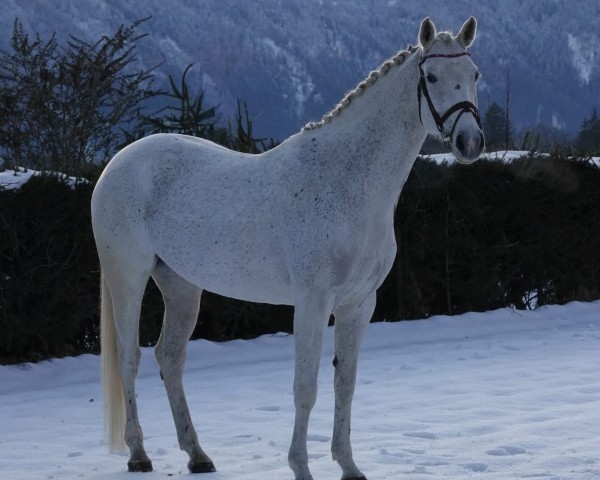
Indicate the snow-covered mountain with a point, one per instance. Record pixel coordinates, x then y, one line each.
292 60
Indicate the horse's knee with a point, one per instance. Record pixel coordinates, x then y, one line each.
305 388
305 395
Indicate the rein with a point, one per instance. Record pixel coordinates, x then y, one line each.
461 107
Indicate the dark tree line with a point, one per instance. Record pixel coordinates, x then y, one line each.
189 115
67 107
588 140
70 107
501 135
470 238
490 235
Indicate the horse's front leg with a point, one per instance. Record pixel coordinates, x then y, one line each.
311 316
350 325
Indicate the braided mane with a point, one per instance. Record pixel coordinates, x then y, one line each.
396 60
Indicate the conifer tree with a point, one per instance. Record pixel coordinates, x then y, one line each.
189 114
494 127
588 140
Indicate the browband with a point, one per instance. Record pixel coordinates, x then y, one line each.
443 55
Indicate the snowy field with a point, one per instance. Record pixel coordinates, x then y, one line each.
12 180
503 395
506 156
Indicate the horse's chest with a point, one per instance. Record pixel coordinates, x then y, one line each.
363 266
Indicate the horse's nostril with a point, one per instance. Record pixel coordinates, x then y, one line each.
460 143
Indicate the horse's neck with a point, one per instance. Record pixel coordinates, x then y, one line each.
376 139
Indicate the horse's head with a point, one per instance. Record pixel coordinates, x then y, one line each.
447 89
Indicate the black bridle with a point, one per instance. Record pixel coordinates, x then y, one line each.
461 107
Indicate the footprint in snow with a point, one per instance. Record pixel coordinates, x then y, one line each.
74 454
426 435
506 451
476 467
433 463
317 438
415 451
510 348
316 456
408 368
269 408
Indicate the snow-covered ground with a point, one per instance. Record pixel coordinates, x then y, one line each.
502 395
506 156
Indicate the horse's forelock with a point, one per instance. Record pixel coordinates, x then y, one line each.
445 37
443 40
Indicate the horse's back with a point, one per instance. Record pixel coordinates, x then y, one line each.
210 213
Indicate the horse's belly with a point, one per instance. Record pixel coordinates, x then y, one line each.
232 279
237 265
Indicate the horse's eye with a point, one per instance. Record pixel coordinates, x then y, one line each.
477 75
431 78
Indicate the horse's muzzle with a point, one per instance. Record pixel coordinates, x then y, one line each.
468 145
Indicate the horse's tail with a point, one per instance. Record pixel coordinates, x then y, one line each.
112 385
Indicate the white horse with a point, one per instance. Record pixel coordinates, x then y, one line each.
308 223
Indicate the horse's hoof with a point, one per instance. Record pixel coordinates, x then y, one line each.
202 467
139 465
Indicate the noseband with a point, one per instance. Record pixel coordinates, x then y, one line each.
460 107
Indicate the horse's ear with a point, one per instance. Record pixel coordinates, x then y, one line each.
467 33
426 33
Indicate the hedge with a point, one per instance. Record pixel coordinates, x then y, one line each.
470 238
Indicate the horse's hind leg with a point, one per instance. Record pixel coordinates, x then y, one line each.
126 281
350 324
182 303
